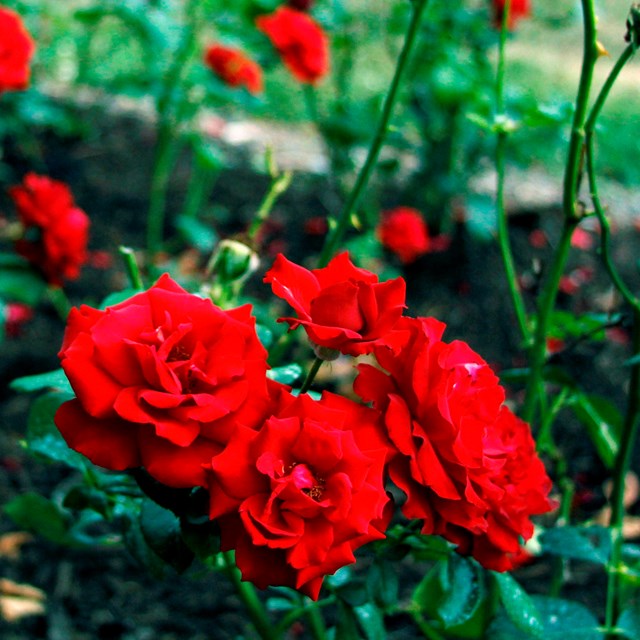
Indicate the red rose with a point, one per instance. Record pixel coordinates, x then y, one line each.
162 380
55 229
300 41
341 306
297 497
404 232
519 9
234 68
16 49
467 465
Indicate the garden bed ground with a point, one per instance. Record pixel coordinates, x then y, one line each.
105 595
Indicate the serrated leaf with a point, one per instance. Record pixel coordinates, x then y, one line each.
560 619
37 514
50 380
463 591
287 374
43 437
603 422
161 531
578 543
519 606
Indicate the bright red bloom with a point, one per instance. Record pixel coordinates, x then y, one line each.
519 9
404 232
16 49
300 41
467 465
162 380
297 497
234 68
55 230
341 306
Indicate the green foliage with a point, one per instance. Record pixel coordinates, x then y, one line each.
588 543
520 608
556 619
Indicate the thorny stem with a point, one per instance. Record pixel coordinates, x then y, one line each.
335 236
247 593
535 388
621 467
500 158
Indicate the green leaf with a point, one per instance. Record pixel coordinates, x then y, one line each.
202 538
560 619
43 437
629 623
35 513
287 374
463 591
603 422
565 324
50 380
519 606
22 284
371 621
383 584
578 543
196 233
161 531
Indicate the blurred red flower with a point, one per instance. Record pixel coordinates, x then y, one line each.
55 230
519 9
404 232
296 497
341 306
234 67
467 465
300 41
16 50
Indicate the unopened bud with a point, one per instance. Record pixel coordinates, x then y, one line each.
633 25
233 261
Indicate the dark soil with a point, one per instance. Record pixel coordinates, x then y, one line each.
105 595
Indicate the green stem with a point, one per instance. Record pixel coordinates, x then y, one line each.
335 236
427 630
621 469
277 188
167 144
247 593
535 386
574 157
590 125
131 266
500 161
315 620
60 302
315 367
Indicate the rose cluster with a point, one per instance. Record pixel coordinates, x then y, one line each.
299 40
54 230
169 382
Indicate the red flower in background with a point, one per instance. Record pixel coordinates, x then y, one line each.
519 9
55 230
300 41
297 497
404 232
467 465
341 306
16 50
162 380
234 68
